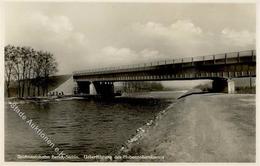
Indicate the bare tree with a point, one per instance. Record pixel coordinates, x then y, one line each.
28 68
25 54
38 69
49 67
29 76
9 66
17 69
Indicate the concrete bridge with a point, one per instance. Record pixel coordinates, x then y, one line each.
220 68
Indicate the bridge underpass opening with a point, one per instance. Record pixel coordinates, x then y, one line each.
82 87
218 85
205 85
223 85
105 88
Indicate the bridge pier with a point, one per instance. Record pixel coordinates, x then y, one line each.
231 86
223 85
92 89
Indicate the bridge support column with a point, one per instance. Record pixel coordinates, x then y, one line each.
231 86
92 89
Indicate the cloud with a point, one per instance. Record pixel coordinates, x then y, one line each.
185 26
181 29
183 38
57 24
122 56
54 33
154 41
238 38
57 28
148 54
180 38
137 41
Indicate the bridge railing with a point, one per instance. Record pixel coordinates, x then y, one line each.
169 61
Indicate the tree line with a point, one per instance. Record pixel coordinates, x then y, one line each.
138 86
29 70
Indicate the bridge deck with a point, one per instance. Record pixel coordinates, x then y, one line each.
218 59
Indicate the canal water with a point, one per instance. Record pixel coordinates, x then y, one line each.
80 127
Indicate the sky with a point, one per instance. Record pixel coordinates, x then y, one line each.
93 35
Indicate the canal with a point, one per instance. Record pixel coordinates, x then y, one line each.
81 126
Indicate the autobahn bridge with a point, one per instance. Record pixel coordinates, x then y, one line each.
220 68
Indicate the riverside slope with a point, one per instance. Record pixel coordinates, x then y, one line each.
202 128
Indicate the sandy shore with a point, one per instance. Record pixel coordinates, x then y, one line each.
201 128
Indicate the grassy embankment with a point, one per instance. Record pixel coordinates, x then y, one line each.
201 128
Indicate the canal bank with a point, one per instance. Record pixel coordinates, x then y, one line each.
200 128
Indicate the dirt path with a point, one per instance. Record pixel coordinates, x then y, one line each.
203 128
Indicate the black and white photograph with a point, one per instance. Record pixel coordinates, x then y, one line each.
129 82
